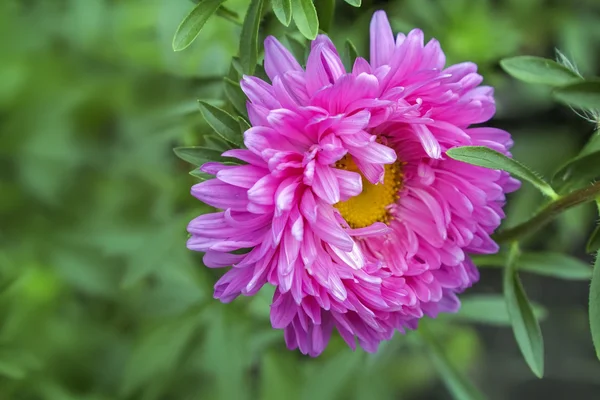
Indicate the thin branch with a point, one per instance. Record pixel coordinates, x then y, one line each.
549 212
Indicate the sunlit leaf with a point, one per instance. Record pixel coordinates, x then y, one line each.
489 309
525 326
458 385
191 25
556 265
584 95
532 69
354 3
488 158
305 17
595 306
282 10
249 36
223 123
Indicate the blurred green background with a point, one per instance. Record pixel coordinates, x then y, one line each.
100 299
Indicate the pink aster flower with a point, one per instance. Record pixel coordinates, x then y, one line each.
347 203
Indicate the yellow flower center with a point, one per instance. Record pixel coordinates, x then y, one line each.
371 204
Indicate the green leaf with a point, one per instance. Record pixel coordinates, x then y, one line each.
11 371
236 96
223 123
458 385
525 326
577 172
354 3
489 309
244 125
237 66
595 306
332 375
279 377
229 15
350 54
282 10
157 352
215 142
249 37
305 17
593 243
556 265
325 11
197 155
539 70
202 176
191 25
488 158
584 95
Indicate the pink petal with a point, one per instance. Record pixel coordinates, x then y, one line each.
278 60
382 39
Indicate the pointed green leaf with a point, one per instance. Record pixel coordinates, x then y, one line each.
584 95
539 70
215 142
202 176
191 25
525 326
458 385
249 37
244 125
197 155
595 306
237 65
305 17
593 243
578 172
556 265
354 3
325 11
350 54
282 10
488 158
236 96
224 124
490 309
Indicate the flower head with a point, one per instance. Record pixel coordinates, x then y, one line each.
347 203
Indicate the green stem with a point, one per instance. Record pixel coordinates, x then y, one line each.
549 212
